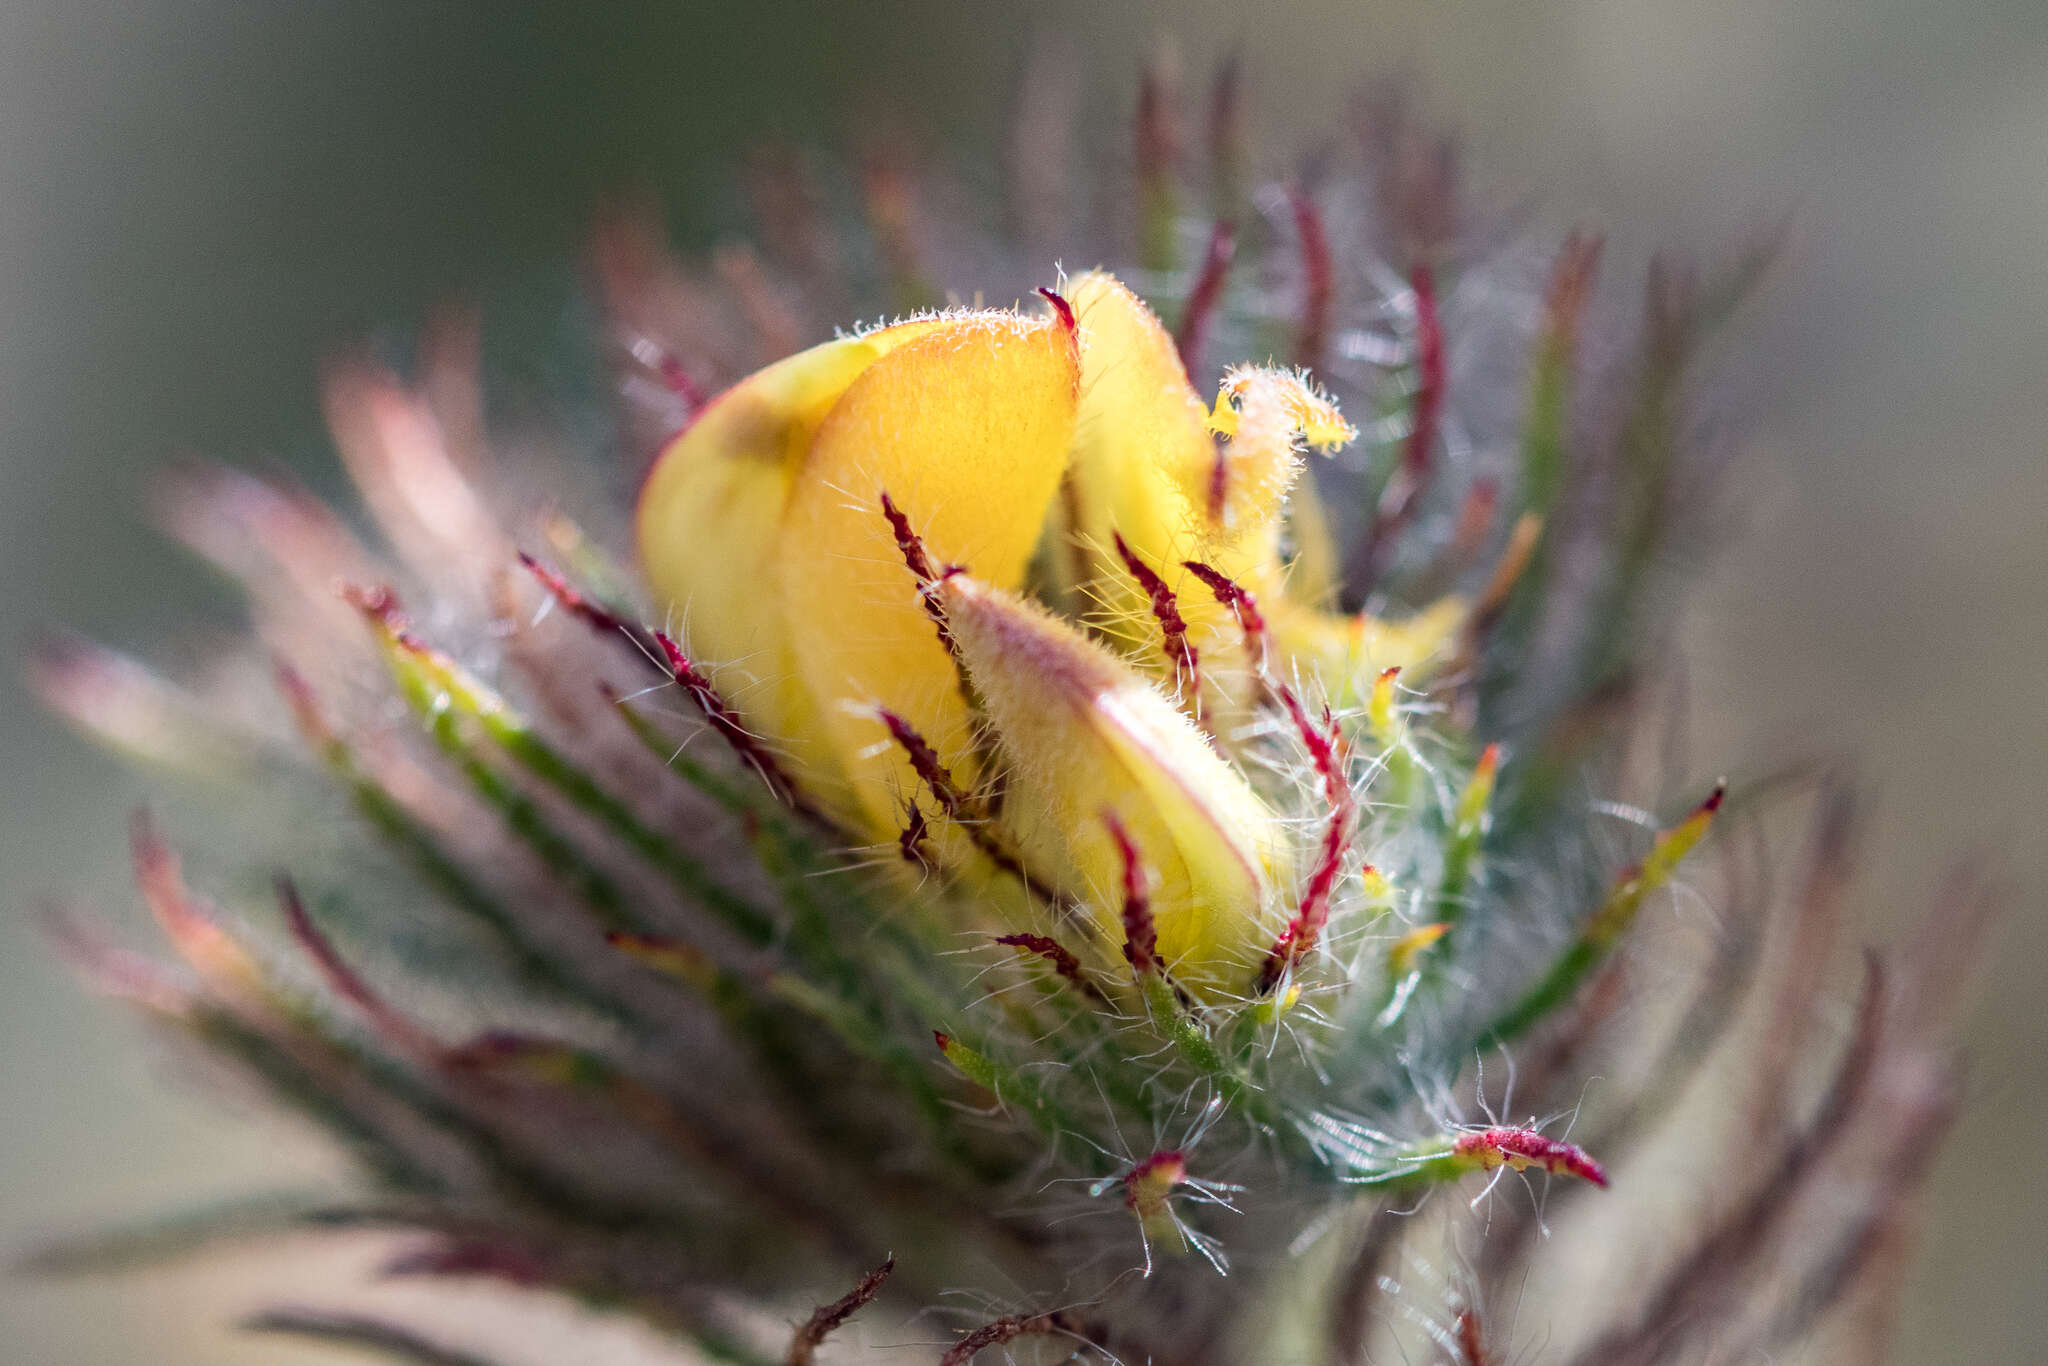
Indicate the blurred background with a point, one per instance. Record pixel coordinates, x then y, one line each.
199 199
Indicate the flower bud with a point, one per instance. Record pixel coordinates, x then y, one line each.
1086 736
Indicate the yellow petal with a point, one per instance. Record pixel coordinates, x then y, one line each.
710 518
1142 453
966 428
1086 735
1144 467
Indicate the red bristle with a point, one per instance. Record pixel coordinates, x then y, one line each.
723 719
924 761
1318 281
1242 605
1429 373
599 619
679 383
919 561
1173 628
1141 936
1204 298
571 601
803 1345
515 1266
1006 1329
910 843
342 979
1325 748
959 806
1060 306
1052 951
908 543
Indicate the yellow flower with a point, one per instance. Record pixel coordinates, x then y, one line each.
846 540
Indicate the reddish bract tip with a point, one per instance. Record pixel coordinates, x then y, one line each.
959 806
1048 948
380 606
804 1345
565 594
942 1039
1714 798
1060 306
1007 1329
1322 745
1525 1148
1150 1182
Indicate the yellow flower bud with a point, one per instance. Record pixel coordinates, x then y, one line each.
1087 736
